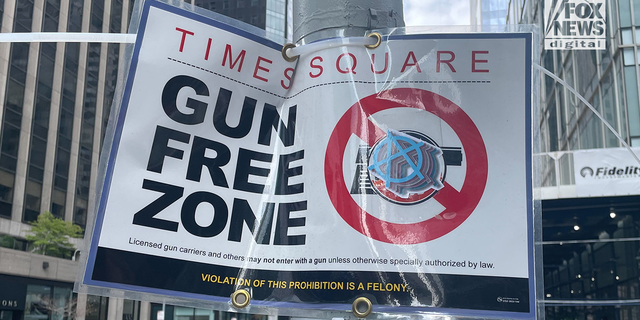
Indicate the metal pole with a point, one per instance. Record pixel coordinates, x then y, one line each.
314 19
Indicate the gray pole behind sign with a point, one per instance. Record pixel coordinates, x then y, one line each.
315 19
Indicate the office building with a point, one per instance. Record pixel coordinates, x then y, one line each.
494 12
56 101
590 221
274 16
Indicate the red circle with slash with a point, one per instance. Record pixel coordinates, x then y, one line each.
458 204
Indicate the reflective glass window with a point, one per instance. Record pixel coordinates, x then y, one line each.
627 55
609 109
625 13
627 37
631 86
38 303
131 310
97 307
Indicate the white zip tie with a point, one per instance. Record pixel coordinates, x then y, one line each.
566 85
331 43
67 37
291 51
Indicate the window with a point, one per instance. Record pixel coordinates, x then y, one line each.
97 10
40 121
590 127
131 3
115 23
207 4
182 313
553 127
49 303
14 99
6 193
96 307
633 114
51 14
75 15
597 261
37 303
7 241
65 127
609 109
626 35
113 56
32 196
627 55
131 310
58 200
86 135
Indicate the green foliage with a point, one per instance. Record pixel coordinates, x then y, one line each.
50 235
6 241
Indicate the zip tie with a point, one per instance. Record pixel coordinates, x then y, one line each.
291 52
67 37
566 85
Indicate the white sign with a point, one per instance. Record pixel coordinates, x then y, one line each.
606 172
575 24
400 173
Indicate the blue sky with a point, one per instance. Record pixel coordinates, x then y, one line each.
436 12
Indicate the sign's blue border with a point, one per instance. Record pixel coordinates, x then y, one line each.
527 37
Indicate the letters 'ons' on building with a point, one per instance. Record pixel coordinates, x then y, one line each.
590 191
56 100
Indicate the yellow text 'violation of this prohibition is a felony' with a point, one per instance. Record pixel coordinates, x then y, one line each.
306 285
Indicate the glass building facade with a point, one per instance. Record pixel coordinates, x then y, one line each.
184 313
494 12
55 105
274 16
608 79
591 246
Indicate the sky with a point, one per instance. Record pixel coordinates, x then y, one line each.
436 12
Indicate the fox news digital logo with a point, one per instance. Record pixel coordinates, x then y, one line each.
575 24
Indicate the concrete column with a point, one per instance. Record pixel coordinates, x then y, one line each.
313 19
81 306
5 48
116 306
145 310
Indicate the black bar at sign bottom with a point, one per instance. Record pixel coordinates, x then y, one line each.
382 288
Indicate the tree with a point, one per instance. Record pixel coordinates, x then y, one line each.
50 235
58 307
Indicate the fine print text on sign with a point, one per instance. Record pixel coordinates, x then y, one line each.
400 173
